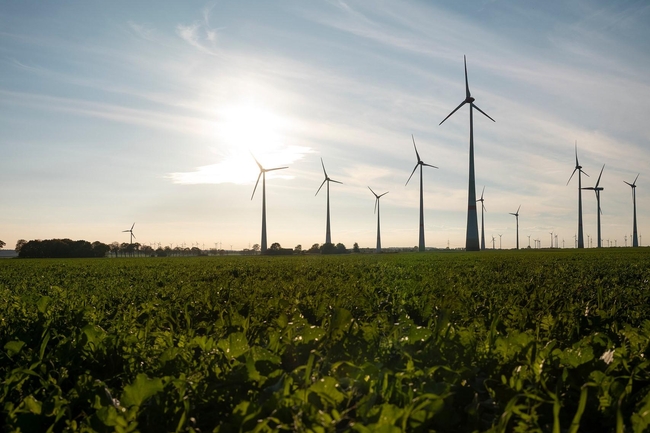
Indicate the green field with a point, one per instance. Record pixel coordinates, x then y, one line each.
494 341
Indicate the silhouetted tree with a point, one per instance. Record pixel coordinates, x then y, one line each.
328 248
256 247
2 244
298 249
62 248
114 248
20 244
355 248
275 246
340 248
314 248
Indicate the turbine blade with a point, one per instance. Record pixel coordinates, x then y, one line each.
335 181
375 194
383 194
577 163
321 185
376 202
637 176
125 231
601 173
628 183
256 161
416 149
132 226
574 172
133 236
582 171
323 164
258 181
467 94
278 168
518 209
482 193
456 109
475 106
512 213
429 165
483 207
416 167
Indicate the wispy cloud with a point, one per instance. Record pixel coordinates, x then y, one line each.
200 34
142 30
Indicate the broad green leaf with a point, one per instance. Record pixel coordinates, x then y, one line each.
234 345
42 303
33 405
13 347
140 390
326 389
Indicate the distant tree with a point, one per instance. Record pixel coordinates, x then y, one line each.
114 248
275 246
20 244
298 249
314 248
328 248
100 249
355 247
62 248
256 247
340 248
2 244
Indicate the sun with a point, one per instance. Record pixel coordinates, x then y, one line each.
243 130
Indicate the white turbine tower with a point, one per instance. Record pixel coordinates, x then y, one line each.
635 241
578 168
483 210
328 235
262 174
471 241
597 189
420 163
516 214
377 197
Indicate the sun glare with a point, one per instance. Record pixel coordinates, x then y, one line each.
242 130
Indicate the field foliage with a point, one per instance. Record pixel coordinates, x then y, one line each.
496 341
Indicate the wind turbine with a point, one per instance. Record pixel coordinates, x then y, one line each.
420 163
377 212
328 236
471 240
516 214
635 241
130 231
263 176
597 189
482 219
578 168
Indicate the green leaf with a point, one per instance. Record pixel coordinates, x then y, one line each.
140 390
235 345
42 303
326 389
33 405
13 347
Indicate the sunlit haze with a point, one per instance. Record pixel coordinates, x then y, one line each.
151 112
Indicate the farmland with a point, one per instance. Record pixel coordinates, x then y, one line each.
501 341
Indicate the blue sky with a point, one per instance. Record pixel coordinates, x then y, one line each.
115 112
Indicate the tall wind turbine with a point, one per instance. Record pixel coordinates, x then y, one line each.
420 163
635 241
471 240
328 235
578 168
133 236
263 176
482 219
597 189
377 212
516 214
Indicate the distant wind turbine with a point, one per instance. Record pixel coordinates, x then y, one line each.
420 163
262 174
597 189
635 241
328 236
130 231
578 168
377 197
516 214
471 241
482 200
